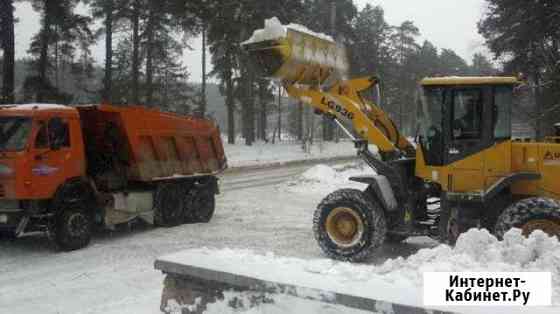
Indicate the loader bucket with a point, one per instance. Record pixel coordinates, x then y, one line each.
296 54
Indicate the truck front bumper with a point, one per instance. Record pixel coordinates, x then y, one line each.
10 215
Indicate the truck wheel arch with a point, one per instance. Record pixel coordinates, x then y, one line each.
73 185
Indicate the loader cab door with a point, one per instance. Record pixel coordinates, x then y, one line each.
467 123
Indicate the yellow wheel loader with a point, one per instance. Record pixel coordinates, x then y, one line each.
465 171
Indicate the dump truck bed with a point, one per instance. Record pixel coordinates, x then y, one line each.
153 145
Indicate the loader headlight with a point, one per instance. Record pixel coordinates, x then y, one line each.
5 170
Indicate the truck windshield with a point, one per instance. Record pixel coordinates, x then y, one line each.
14 132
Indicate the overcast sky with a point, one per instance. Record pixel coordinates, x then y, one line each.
446 23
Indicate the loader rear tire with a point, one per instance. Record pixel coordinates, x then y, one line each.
349 226
169 205
536 213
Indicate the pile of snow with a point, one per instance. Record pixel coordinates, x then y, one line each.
320 173
478 250
273 29
261 153
325 179
398 280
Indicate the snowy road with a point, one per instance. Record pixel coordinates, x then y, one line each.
261 210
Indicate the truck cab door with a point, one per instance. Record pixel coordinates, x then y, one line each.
51 151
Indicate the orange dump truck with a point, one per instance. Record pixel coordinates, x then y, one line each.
64 170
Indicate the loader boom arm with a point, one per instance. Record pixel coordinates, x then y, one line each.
343 101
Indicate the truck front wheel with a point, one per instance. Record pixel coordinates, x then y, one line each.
72 228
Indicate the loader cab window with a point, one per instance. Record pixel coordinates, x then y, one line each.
430 118
467 115
503 100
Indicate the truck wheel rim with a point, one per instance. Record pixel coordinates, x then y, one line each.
77 225
547 226
344 227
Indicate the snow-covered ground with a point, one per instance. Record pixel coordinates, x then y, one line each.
397 280
261 153
115 273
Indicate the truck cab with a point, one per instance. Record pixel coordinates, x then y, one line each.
41 147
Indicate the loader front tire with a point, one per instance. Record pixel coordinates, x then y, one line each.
536 213
349 226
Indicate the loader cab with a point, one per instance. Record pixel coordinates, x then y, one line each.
460 117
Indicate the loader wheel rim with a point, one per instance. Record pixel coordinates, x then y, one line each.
344 226
547 226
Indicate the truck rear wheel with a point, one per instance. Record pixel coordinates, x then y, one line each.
169 205
348 226
72 227
200 206
531 214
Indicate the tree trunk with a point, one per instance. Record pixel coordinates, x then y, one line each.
44 53
538 105
108 79
328 129
300 121
248 109
202 105
136 52
262 119
230 104
279 113
150 54
56 61
7 42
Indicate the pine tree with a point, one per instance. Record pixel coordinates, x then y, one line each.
111 12
62 33
481 65
527 34
7 43
230 24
